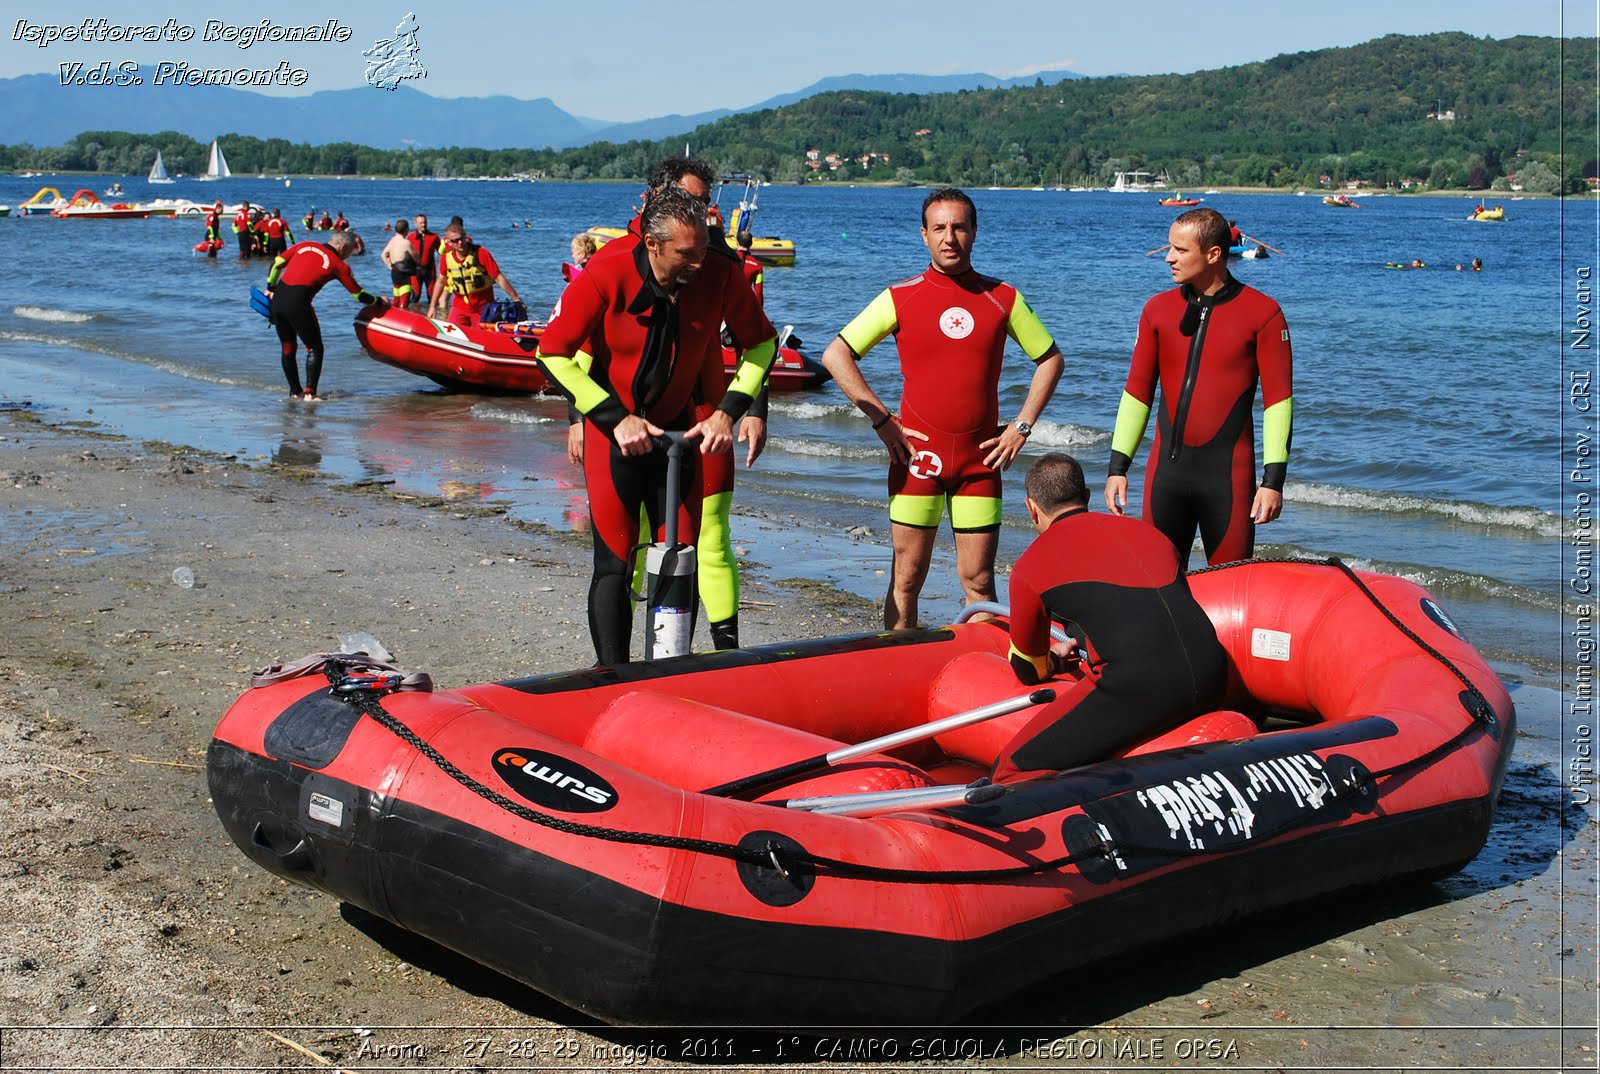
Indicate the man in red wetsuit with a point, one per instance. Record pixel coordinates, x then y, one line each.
425 248
468 274
243 228
276 229
297 275
754 271
1206 342
214 229
717 572
651 319
1149 654
950 325
341 224
326 223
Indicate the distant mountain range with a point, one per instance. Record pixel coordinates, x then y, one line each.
40 111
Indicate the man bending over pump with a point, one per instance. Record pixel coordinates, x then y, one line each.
1150 655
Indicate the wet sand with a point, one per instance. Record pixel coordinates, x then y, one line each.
143 938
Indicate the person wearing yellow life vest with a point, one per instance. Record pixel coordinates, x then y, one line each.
468 273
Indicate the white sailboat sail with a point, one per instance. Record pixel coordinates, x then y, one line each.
158 171
217 167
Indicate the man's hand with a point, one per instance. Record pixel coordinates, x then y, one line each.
753 431
1117 494
715 433
1006 448
635 436
575 443
1268 505
897 438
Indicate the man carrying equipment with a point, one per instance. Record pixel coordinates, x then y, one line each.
950 325
297 275
469 274
1150 655
1207 342
651 320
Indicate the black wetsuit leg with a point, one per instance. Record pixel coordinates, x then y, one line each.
1208 488
619 485
293 315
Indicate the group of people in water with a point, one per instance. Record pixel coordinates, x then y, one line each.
636 345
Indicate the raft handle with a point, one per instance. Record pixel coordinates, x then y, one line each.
297 858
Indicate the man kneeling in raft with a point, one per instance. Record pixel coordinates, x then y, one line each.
1150 656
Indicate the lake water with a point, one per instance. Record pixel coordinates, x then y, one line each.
1428 403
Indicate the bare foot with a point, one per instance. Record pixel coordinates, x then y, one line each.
312 398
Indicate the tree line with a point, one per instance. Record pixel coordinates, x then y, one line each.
1441 110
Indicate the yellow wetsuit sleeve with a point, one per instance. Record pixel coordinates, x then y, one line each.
1277 427
871 324
276 271
1030 333
749 377
1132 416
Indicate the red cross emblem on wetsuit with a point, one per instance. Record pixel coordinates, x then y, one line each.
926 464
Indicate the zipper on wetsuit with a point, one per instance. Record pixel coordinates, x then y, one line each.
1190 375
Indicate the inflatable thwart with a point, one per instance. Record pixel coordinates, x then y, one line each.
700 839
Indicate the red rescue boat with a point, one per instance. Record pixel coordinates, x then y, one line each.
500 357
576 831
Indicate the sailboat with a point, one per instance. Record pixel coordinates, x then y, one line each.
217 166
158 171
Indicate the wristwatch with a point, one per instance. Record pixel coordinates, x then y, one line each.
1023 427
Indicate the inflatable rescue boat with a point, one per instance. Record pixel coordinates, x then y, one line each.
694 840
500 357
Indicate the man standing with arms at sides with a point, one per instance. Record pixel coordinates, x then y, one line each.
400 256
651 318
425 247
243 229
469 273
1207 342
279 237
214 229
950 325
754 271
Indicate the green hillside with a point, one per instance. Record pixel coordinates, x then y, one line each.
1443 110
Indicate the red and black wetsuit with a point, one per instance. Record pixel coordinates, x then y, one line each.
1150 655
1207 353
657 358
754 274
243 230
341 224
277 232
297 275
425 246
326 223
213 232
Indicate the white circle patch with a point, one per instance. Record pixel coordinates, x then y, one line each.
956 323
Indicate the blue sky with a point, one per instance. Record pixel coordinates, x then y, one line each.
621 60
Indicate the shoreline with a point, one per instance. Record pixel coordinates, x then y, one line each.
139 912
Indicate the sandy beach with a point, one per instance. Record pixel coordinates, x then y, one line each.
142 938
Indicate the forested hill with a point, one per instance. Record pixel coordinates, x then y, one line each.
1358 113
1448 110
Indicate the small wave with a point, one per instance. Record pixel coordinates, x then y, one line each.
811 411
41 313
1050 434
1527 519
490 412
166 365
1440 581
825 449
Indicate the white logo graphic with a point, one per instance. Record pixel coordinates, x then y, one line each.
956 323
391 62
926 464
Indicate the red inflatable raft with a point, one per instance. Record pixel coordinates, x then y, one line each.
577 831
499 358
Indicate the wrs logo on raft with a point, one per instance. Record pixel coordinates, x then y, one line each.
553 781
